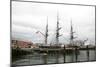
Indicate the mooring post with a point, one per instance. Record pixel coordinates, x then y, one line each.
45 58
76 53
87 47
57 58
73 53
64 54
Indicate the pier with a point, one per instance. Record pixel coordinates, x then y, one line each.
48 49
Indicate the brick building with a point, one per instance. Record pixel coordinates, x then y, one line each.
21 44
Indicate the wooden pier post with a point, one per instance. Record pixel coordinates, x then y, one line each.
45 58
57 56
64 54
76 54
73 54
87 52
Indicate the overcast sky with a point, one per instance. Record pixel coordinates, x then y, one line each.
28 18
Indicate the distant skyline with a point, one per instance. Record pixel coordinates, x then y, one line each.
28 18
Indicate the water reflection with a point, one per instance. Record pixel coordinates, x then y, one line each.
37 58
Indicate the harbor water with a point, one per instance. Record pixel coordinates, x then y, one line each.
52 58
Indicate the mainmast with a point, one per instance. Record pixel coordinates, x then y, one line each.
71 34
46 32
57 31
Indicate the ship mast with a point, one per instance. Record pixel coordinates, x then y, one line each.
57 31
72 35
46 32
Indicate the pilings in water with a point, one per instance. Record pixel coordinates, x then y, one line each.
87 53
45 58
57 57
73 51
18 53
76 54
64 54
